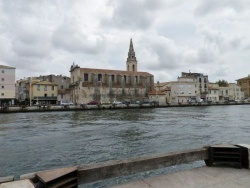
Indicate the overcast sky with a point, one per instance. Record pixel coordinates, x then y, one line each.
169 36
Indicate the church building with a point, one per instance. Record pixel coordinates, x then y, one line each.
106 86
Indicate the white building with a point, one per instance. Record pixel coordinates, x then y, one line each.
201 84
7 85
183 89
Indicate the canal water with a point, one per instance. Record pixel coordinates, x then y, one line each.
39 141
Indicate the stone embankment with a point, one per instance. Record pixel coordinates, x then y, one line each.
44 108
223 155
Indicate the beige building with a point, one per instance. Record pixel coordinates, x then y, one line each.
7 85
232 92
31 91
105 86
183 89
157 96
244 83
63 83
213 92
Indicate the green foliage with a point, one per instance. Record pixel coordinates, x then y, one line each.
222 83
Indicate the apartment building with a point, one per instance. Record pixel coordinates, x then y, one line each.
32 91
201 84
184 89
63 83
7 85
232 92
213 92
244 83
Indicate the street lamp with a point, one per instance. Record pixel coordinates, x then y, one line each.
30 90
100 91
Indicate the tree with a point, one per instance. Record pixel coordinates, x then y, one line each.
222 83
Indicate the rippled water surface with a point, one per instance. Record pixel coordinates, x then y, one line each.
38 141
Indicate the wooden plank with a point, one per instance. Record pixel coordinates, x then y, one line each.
111 169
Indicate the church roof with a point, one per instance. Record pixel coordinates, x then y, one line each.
107 71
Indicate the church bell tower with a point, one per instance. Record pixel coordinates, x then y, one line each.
131 60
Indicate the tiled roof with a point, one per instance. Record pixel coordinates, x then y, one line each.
107 71
44 83
245 78
161 84
6 67
154 92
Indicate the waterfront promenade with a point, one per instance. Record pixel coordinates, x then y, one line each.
202 177
227 166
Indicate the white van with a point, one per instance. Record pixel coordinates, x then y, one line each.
66 103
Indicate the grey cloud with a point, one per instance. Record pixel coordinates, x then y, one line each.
211 6
217 40
132 14
165 54
70 37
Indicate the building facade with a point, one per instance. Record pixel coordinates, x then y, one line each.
244 83
31 91
105 86
62 82
201 84
7 85
213 92
183 89
232 92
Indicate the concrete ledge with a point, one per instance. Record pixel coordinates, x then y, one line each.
18 184
6 179
110 169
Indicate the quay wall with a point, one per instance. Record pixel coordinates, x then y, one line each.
23 109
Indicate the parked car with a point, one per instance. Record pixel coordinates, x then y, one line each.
199 100
126 102
66 103
93 103
117 102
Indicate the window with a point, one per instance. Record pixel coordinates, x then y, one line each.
99 77
113 78
45 88
2 94
2 71
61 86
38 87
2 87
200 80
2 79
205 80
52 88
61 96
86 77
45 95
52 94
